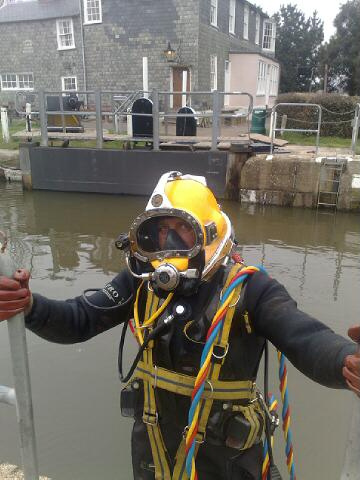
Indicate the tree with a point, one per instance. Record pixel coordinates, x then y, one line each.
298 45
342 53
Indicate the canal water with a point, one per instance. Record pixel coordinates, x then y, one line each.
67 241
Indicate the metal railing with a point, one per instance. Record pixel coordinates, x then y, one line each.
356 127
20 396
274 128
98 113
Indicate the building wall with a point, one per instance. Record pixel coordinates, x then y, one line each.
31 47
218 41
129 31
244 75
136 29
114 48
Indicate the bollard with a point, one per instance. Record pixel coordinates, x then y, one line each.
20 367
5 125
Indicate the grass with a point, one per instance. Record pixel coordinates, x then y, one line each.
330 142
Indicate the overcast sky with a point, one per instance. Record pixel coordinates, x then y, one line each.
327 10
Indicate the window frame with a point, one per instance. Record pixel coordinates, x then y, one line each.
271 37
213 73
232 16
63 89
214 4
17 81
261 79
257 28
59 34
274 80
86 13
246 20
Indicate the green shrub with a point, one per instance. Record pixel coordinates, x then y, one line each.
337 112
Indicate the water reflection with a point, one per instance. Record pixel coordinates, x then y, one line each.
76 232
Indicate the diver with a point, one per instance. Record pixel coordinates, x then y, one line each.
202 319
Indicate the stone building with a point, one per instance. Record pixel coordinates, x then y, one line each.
101 44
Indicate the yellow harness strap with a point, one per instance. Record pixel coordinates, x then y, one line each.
150 414
207 402
215 389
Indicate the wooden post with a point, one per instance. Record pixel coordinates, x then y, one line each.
5 125
184 88
145 77
283 124
326 77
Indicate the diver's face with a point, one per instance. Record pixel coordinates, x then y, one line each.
181 227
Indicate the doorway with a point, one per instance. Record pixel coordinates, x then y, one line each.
177 86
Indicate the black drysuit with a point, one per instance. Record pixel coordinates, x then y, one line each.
312 348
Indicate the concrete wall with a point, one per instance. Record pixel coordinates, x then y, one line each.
293 181
283 180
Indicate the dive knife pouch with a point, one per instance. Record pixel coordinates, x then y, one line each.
245 427
130 398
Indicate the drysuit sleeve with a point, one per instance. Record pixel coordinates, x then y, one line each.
81 318
312 347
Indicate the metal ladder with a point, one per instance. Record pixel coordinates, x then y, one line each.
330 180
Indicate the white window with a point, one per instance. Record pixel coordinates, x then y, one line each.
92 11
213 72
65 33
274 79
68 84
20 81
246 23
257 29
261 80
213 12
232 7
269 36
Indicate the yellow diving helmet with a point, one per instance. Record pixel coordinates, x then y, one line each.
182 237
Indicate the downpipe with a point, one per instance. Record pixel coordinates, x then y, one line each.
21 394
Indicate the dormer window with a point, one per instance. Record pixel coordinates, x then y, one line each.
92 11
269 36
246 23
213 12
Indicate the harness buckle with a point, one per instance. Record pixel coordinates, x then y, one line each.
150 418
220 352
155 376
199 437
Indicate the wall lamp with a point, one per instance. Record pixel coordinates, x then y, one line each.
170 53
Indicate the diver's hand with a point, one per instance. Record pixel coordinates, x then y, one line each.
15 296
351 369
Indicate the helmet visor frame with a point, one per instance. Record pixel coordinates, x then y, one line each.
151 252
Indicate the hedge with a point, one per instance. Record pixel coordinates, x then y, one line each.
337 112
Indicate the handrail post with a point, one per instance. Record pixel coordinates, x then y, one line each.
20 367
215 119
155 111
319 128
356 127
99 126
43 119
